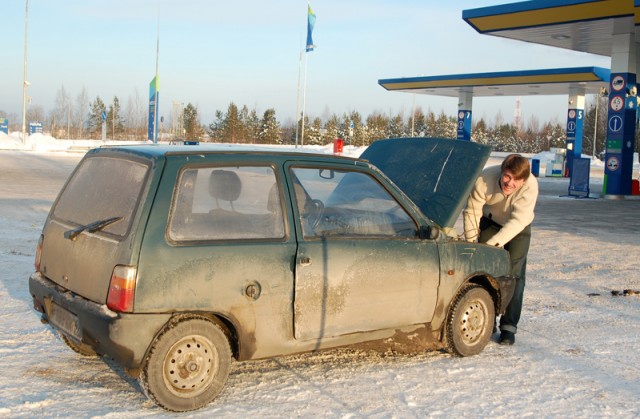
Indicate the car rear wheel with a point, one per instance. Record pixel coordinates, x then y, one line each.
187 366
81 348
470 321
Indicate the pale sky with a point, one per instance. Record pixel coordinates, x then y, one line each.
214 52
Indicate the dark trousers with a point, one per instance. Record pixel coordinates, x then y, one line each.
518 249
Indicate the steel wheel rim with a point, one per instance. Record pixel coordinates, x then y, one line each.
190 366
473 322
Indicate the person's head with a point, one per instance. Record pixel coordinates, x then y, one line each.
514 173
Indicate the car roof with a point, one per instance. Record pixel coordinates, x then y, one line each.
154 151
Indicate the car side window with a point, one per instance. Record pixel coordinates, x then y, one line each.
342 203
226 203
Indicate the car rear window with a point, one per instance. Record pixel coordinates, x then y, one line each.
102 188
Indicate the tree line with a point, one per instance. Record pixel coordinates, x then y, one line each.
81 119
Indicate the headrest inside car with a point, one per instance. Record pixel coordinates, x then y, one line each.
225 185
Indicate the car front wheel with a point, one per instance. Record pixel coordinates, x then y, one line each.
470 321
187 366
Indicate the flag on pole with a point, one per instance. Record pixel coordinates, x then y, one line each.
311 21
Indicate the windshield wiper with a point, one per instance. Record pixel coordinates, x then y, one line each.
91 227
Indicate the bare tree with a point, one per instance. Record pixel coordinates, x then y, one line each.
35 113
81 112
135 117
61 114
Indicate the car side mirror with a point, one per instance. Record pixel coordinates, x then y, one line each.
326 173
429 232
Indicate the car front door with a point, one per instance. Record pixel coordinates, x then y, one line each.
360 264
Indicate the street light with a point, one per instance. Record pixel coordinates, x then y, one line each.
602 93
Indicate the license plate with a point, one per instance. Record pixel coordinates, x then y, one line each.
64 320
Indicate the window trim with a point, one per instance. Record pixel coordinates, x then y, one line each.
380 180
212 242
137 204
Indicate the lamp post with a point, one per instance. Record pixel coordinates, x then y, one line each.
25 83
602 93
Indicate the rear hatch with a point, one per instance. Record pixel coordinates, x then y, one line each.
90 228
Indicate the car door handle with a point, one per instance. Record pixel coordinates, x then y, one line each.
305 261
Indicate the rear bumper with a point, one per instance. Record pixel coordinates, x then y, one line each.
507 286
123 336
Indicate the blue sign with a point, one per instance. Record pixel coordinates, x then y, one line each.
4 125
35 128
154 94
615 123
464 125
621 128
104 115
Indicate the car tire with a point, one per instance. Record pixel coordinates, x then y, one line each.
470 321
80 348
187 365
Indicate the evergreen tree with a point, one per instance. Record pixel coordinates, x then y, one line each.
303 133
216 128
95 118
446 126
312 134
396 127
359 134
431 126
377 126
232 131
253 126
419 123
269 128
192 128
115 126
331 127
480 132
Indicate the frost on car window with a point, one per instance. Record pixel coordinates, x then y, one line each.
335 203
102 188
227 203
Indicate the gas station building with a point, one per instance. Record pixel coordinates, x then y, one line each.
601 27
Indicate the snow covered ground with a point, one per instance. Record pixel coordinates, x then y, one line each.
577 352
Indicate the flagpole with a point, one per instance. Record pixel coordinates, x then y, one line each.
157 108
304 100
298 99
311 21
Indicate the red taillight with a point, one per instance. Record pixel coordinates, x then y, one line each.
38 253
122 289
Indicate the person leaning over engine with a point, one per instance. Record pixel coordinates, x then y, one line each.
499 212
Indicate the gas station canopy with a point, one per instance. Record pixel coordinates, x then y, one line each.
608 28
577 25
557 81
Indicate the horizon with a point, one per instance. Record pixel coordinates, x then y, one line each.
212 54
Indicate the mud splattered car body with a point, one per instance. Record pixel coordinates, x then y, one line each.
174 260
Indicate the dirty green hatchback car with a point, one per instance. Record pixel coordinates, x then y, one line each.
175 260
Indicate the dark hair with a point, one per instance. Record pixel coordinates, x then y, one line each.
517 165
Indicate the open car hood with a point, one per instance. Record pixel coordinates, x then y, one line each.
437 174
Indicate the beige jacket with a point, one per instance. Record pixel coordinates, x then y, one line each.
513 212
